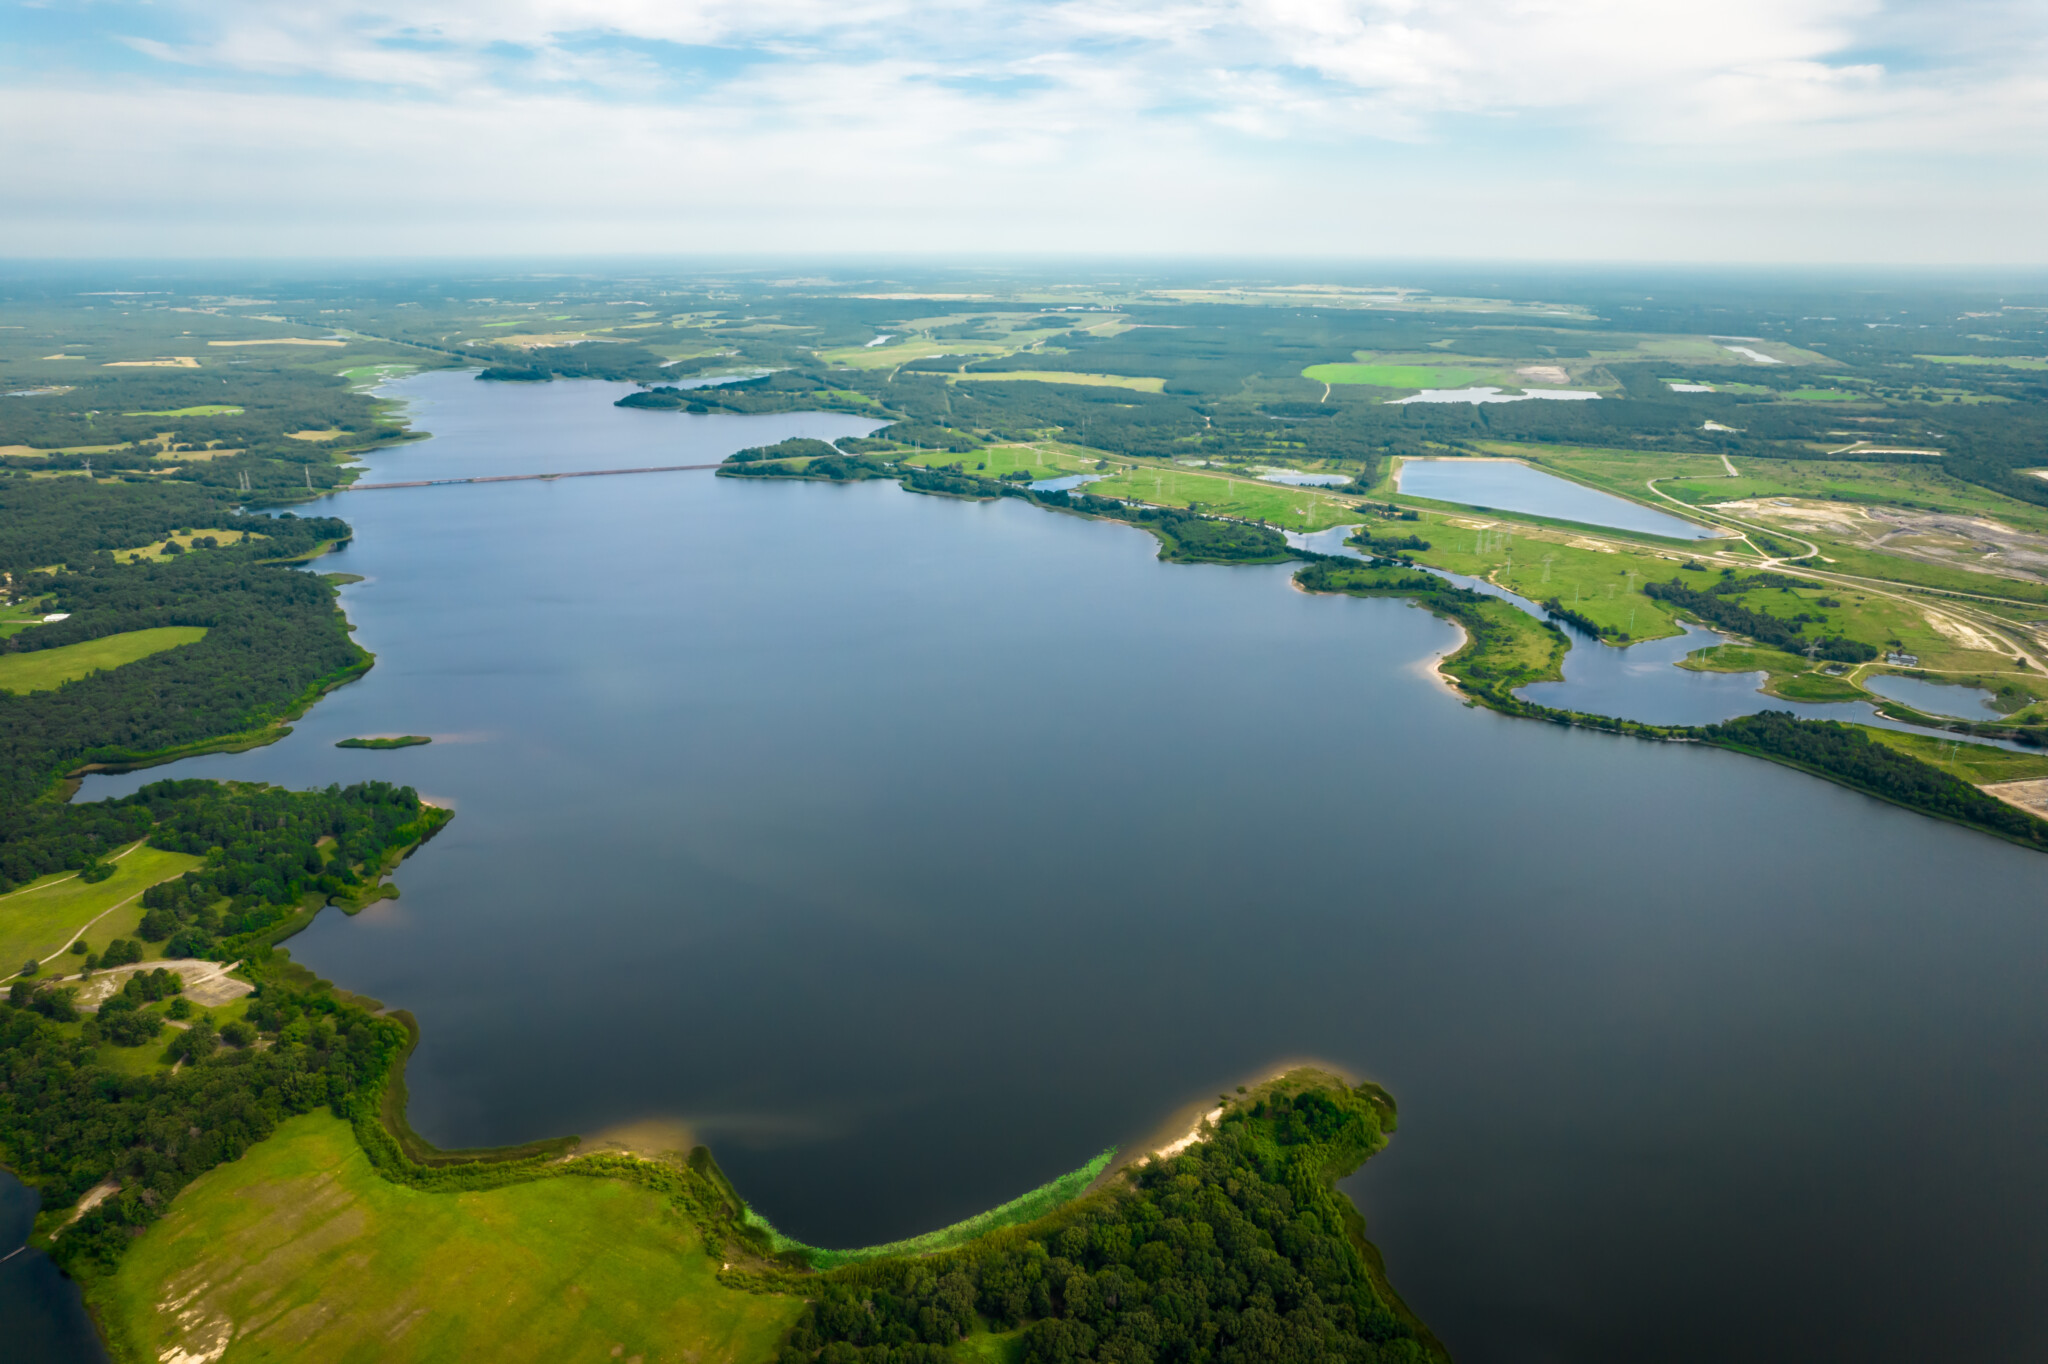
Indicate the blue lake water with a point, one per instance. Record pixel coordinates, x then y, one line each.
912 849
1294 480
1935 698
1507 485
41 1317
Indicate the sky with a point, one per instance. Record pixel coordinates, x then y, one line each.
1793 131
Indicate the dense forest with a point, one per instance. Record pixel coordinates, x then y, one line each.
1237 1249
274 638
67 1121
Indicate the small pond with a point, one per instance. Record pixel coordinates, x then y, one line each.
1935 698
1494 395
1508 485
1066 483
1299 480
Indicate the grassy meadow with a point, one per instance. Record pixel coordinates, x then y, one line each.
1251 499
43 918
47 669
300 1251
1039 460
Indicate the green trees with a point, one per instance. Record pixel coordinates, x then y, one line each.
1238 1248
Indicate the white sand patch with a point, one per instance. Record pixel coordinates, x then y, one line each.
2030 795
1749 353
163 362
1194 1134
207 983
1690 388
1963 633
1545 374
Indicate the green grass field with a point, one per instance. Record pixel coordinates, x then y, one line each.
42 919
46 669
1397 376
1791 676
1592 581
993 461
1978 763
1138 383
300 1251
1292 508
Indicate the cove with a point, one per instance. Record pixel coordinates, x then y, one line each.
1507 485
911 850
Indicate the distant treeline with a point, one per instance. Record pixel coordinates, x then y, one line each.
586 360
47 521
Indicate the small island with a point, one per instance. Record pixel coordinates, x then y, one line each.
399 741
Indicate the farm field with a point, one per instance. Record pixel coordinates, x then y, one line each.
301 1251
46 669
1398 375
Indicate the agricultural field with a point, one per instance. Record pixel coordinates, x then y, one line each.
43 918
47 669
1388 374
1291 508
300 1251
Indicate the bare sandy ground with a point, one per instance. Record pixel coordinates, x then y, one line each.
2030 795
207 983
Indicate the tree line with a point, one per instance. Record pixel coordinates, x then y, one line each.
1238 1249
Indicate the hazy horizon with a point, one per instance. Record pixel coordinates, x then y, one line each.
1794 133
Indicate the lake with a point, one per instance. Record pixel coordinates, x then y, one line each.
1508 485
911 850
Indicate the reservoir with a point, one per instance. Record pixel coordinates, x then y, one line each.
1935 698
911 850
1508 485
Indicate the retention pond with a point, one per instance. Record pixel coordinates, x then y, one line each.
1511 486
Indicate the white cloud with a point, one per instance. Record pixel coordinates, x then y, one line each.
1280 125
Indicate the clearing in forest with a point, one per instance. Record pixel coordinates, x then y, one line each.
46 669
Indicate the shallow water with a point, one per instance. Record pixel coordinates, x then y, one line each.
912 849
1508 485
42 1320
1935 698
